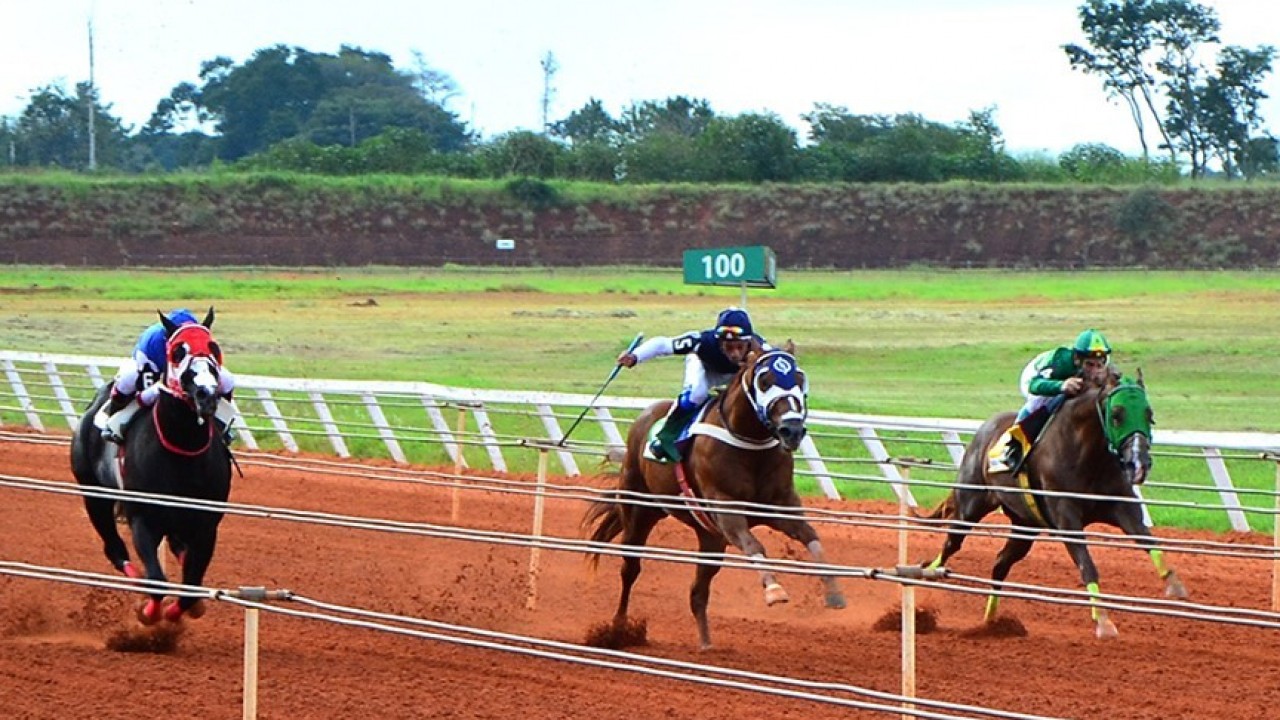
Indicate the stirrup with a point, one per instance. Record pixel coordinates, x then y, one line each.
656 451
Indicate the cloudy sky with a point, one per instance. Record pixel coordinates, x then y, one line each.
937 58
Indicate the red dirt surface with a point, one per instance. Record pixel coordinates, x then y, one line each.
55 660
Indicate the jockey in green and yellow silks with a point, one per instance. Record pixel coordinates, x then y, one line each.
1047 381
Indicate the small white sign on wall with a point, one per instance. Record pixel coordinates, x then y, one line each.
504 244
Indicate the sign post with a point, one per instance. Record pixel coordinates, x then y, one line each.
743 266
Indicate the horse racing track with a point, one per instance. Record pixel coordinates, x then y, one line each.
59 659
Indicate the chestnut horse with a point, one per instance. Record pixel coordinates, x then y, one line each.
171 448
1097 444
741 451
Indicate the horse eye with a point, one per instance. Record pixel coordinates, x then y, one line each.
179 352
1151 417
1117 417
216 352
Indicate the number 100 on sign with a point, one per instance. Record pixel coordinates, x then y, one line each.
755 266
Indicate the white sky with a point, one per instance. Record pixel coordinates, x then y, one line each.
937 58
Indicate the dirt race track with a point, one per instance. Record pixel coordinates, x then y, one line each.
55 663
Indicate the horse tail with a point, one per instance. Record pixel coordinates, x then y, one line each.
945 510
606 517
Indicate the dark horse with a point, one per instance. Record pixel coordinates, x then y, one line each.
172 448
740 451
1097 443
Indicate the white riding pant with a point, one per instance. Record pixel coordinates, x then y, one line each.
698 381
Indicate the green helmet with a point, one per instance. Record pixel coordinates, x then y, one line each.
1090 343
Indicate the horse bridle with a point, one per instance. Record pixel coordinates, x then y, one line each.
1104 416
783 364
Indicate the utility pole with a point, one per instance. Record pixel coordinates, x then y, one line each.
549 68
91 95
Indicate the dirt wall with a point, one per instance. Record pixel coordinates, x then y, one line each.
820 226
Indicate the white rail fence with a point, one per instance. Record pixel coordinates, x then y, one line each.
387 416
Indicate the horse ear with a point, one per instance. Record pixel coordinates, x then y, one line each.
169 327
789 347
1140 383
208 318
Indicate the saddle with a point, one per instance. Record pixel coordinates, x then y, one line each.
682 440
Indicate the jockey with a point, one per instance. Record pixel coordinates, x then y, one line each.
1047 381
713 357
144 371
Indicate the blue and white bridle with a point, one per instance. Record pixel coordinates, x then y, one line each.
787 387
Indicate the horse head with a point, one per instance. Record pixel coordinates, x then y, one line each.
194 364
1127 418
779 392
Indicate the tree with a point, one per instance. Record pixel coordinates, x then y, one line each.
433 85
283 92
1121 38
1146 49
748 148
676 115
590 123
1228 105
1180 27
908 147
53 130
521 154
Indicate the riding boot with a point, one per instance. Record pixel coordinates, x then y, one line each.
226 415
114 404
116 424
1006 454
663 446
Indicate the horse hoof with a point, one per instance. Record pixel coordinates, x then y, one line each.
835 601
1105 630
197 611
131 571
1174 588
173 611
775 594
149 613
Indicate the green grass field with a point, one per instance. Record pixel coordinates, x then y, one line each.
935 343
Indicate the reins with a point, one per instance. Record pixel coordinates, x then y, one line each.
168 444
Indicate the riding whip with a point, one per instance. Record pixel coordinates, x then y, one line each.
616 369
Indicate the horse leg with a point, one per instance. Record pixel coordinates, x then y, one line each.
700 593
1015 548
146 542
1128 517
735 529
102 513
969 507
1070 522
197 551
802 532
638 522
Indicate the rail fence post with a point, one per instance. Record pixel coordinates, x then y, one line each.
538 506
908 598
1275 536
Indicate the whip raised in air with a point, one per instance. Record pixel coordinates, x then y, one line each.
616 369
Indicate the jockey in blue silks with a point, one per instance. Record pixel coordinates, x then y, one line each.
713 357
140 377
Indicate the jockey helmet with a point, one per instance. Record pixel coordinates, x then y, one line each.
733 324
1091 343
181 316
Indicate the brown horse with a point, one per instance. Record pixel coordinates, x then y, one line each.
740 451
1097 444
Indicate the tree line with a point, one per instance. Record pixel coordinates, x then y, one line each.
354 112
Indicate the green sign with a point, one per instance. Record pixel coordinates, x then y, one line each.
752 266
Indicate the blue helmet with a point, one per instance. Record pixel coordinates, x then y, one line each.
734 324
181 316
